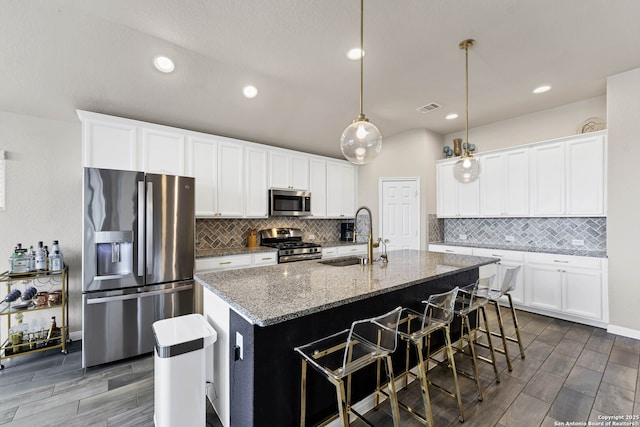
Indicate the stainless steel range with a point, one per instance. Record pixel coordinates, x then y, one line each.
289 243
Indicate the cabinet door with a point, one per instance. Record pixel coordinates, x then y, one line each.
230 179
299 174
492 185
516 182
318 188
203 155
334 190
110 145
279 170
548 179
348 186
544 287
586 176
468 198
257 188
163 152
582 293
446 191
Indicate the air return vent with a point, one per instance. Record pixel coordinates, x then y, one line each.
429 107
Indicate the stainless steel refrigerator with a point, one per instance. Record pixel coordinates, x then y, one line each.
138 259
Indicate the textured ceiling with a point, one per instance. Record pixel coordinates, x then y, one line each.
63 55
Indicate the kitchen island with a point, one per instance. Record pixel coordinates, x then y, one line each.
268 311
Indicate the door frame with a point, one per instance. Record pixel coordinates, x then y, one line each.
415 179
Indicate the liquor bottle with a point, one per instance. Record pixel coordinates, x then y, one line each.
41 258
55 261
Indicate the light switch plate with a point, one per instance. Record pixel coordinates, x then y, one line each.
577 242
509 238
462 237
240 345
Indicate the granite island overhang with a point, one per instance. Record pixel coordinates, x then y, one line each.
279 307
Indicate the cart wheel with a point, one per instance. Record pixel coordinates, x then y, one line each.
1 367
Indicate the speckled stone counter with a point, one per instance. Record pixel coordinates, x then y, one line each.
208 253
276 308
573 252
274 294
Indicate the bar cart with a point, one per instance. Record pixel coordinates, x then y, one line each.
49 293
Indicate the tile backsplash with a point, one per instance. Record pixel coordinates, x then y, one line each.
553 233
232 233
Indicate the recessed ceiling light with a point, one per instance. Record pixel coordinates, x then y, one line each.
355 53
542 89
451 116
250 91
164 64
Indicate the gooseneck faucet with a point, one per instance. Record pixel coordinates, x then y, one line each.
370 244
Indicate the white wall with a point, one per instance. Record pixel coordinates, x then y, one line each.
408 154
43 194
540 126
623 232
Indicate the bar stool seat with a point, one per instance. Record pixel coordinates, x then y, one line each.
340 355
493 295
416 328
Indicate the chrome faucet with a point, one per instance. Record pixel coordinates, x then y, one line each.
370 244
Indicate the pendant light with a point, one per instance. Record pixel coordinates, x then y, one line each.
361 141
467 168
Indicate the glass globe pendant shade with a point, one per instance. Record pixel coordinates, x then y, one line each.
361 141
466 169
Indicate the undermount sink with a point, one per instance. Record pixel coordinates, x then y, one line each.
341 262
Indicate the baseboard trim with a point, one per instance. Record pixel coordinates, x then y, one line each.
625 332
75 335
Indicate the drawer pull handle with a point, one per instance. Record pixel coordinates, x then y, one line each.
562 261
266 259
449 250
499 256
225 262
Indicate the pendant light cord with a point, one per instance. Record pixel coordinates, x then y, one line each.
361 117
466 44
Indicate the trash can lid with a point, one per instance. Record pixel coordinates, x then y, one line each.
182 334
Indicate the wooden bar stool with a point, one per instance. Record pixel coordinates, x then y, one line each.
416 328
494 295
338 356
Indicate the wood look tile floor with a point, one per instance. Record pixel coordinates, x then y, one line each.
571 373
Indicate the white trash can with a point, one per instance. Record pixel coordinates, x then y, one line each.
179 364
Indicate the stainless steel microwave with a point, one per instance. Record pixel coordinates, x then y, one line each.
289 202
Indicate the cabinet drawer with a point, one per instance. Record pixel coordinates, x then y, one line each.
565 260
447 249
266 258
330 252
352 250
498 253
223 263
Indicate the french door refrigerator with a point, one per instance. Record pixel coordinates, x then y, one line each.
138 259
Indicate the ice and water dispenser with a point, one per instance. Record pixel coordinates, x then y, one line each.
114 253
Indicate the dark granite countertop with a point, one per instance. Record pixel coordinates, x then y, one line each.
277 293
572 252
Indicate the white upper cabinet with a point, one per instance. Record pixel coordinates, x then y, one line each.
547 180
568 178
585 178
455 199
504 187
218 169
563 177
288 170
256 194
108 144
341 190
318 187
163 152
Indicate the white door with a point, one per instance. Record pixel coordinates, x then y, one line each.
400 222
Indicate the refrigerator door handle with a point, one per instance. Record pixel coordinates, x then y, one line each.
149 221
140 238
136 295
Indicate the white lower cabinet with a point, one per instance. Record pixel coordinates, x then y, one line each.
343 250
568 287
571 285
232 262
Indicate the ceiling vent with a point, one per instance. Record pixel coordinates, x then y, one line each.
429 107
